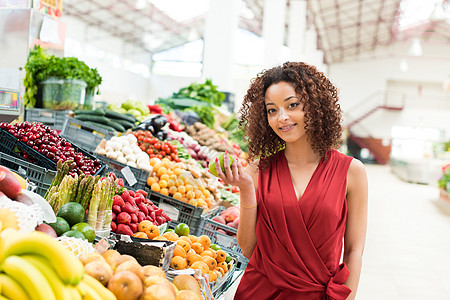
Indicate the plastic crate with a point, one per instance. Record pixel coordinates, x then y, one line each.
84 135
12 146
186 213
227 242
220 286
42 177
113 165
52 118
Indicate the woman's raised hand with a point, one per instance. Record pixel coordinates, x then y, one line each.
234 174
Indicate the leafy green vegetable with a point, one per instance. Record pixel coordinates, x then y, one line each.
206 92
41 66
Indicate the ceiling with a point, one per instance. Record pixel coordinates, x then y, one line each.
345 28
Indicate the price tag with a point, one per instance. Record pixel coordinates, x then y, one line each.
224 241
129 176
171 211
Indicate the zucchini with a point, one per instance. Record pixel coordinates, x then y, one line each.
102 126
115 115
117 126
97 112
92 118
124 123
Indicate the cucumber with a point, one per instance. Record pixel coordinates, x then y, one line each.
92 118
97 112
124 123
115 115
117 126
103 126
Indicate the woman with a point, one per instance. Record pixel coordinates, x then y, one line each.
302 202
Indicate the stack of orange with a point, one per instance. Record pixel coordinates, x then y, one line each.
195 253
172 179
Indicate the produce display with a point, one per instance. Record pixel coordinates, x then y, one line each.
48 143
129 107
155 147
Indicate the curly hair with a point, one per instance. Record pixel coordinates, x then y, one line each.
323 114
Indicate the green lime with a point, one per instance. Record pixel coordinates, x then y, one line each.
72 212
228 258
215 247
182 229
60 226
168 230
212 164
86 229
75 234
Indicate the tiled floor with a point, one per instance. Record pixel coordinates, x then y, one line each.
407 255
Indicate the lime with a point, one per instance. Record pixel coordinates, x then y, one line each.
168 230
86 229
182 229
215 247
75 234
212 164
72 212
228 258
60 226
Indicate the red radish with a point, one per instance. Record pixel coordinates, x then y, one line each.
9 185
113 227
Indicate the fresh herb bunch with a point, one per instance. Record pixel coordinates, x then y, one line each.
203 91
41 66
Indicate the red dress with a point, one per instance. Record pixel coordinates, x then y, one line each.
299 242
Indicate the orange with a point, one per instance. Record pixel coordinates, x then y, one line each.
164 191
221 256
154 161
198 248
212 276
190 195
161 171
185 238
211 262
173 189
198 193
185 245
207 253
179 182
152 231
224 266
206 193
160 238
141 235
185 200
182 189
178 263
201 203
171 236
189 187
164 177
144 225
177 196
162 183
205 241
202 266
155 187
179 251
193 202
193 238
151 180
192 258
174 177
177 171
220 270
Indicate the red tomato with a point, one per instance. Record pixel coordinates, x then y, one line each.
163 153
157 146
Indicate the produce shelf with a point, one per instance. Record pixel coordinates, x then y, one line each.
13 146
228 243
42 177
84 135
113 165
52 118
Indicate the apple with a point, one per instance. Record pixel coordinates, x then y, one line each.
212 163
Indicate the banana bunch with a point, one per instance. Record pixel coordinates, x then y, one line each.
35 266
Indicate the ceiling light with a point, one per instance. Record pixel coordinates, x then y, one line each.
404 65
416 48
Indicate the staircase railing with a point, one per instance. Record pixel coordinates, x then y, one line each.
363 109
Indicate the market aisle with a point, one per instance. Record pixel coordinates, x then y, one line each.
407 254
408 244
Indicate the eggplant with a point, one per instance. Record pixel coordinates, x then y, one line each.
158 122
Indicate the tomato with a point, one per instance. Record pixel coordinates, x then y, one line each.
163 153
142 148
173 156
147 140
149 151
159 156
173 147
157 146
165 148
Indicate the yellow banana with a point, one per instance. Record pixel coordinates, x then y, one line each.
66 265
43 265
11 289
32 280
74 293
3 298
98 287
88 292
